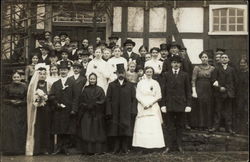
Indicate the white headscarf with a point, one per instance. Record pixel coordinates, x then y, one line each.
31 109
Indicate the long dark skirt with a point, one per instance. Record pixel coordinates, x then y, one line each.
92 133
43 136
201 114
14 127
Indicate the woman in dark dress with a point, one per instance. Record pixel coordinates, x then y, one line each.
202 90
241 113
14 116
39 115
92 123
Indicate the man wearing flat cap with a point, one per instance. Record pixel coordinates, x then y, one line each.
128 53
174 50
84 60
121 110
63 101
176 100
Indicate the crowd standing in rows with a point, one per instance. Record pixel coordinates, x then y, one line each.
106 98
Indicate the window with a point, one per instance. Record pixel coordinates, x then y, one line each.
228 20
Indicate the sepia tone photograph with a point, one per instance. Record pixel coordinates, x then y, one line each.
124 80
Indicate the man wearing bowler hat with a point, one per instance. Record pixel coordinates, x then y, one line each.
128 53
121 109
176 100
63 102
174 50
112 41
163 51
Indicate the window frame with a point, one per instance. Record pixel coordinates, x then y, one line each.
245 18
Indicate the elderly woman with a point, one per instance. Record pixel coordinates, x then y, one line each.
148 130
92 122
202 90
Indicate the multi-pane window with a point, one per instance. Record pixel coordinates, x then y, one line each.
228 19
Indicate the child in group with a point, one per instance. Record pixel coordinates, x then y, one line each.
140 73
131 75
53 59
148 57
30 69
106 54
117 59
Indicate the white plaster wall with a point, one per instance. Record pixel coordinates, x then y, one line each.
194 48
189 19
158 19
117 19
155 42
135 19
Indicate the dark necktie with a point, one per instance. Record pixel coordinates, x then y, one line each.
175 73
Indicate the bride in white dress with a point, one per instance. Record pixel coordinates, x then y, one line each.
148 129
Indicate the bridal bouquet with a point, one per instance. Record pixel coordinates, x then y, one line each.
40 98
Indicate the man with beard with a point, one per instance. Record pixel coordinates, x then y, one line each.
121 110
63 124
128 53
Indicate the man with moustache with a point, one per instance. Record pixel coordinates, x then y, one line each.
63 102
128 53
121 110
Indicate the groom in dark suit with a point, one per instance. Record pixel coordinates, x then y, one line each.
62 99
176 100
128 53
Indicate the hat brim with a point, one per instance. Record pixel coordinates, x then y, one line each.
133 43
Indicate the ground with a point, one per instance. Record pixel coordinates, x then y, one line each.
155 157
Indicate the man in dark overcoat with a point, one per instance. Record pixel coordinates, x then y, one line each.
61 97
176 93
224 82
79 82
121 110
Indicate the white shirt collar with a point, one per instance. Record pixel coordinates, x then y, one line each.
76 76
64 79
44 56
176 71
129 53
121 81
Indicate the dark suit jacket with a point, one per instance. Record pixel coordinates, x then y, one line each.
226 78
185 66
73 56
176 91
78 85
46 60
62 123
133 56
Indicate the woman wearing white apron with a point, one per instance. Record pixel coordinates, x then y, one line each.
148 129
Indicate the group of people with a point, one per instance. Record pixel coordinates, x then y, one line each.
106 98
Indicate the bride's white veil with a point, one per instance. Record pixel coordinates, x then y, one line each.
31 109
